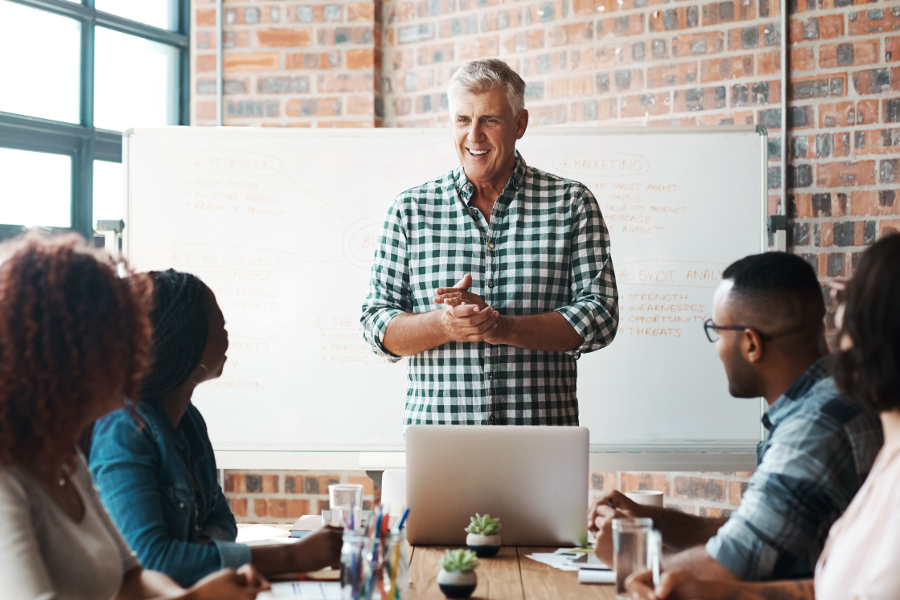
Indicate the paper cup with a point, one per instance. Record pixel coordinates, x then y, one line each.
646 497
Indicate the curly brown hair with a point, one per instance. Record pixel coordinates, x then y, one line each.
869 370
74 329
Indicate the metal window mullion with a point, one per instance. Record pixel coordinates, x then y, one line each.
83 160
184 80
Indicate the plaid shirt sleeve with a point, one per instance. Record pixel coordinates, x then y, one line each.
389 291
594 312
802 486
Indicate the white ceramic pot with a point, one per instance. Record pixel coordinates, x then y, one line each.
456 584
484 546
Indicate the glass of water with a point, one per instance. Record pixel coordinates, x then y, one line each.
636 548
345 504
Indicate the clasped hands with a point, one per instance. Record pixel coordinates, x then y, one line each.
466 316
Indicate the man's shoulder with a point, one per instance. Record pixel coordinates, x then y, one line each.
823 402
537 175
433 189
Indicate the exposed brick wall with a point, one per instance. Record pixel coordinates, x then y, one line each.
289 64
592 62
283 496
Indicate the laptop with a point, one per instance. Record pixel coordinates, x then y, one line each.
534 478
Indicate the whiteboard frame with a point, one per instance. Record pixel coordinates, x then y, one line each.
692 456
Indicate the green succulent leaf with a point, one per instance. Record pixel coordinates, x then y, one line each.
460 560
484 525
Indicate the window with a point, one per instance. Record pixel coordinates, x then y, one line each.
85 72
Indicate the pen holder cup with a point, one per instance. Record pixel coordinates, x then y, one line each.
374 569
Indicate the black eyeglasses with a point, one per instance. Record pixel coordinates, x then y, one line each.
712 330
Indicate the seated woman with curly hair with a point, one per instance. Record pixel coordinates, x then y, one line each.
74 343
154 467
860 558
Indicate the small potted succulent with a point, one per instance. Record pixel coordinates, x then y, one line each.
483 538
457 578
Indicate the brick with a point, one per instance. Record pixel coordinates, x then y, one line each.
836 265
336 36
805 88
361 11
848 114
604 481
284 38
570 87
802 59
282 85
840 174
205 17
575 33
519 42
621 26
593 7
866 22
892 49
326 480
726 68
281 508
361 58
799 176
845 234
799 147
236 39
698 488
736 491
672 74
205 111
718 12
260 507
876 81
238 506
366 482
674 19
459 26
817 28
768 63
415 33
251 61
252 108
889 171
699 99
549 115
848 54
798 234
823 235
313 107
344 82
644 104
235 482
891 110
313 60
205 63
693 44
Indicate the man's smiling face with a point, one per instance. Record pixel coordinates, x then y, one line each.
485 131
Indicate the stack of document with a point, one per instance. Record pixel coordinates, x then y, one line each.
583 560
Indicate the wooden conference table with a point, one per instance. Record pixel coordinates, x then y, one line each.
510 575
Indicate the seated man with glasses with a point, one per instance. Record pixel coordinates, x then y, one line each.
768 328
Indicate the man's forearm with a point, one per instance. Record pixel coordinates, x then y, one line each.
411 333
679 530
698 563
771 590
550 332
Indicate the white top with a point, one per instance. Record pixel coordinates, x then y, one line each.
861 557
44 555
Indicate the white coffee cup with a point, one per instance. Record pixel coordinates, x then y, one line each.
646 497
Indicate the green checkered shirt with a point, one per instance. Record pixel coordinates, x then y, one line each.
546 249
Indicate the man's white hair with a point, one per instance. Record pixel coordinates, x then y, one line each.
480 76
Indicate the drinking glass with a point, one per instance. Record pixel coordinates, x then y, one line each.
636 547
345 504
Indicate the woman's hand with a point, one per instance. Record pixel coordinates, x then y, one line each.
228 584
317 550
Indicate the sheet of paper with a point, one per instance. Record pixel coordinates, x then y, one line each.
596 576
306 590
257 533
557 561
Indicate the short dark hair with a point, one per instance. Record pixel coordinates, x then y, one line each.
778 282
869 372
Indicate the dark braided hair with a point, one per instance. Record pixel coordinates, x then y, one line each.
74 329
180 319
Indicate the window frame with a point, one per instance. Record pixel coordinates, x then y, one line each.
83 142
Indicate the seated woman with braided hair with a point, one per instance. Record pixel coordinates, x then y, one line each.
74 343
154 467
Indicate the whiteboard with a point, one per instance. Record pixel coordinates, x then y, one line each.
282 225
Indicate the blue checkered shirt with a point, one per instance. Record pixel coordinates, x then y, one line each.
819 452
545 249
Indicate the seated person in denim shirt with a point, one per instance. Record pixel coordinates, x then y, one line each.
767 324
156 472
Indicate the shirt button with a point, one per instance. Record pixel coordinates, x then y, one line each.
491 418
198 528
490 245
490 375
490 284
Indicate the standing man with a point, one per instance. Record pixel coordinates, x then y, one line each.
517 258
